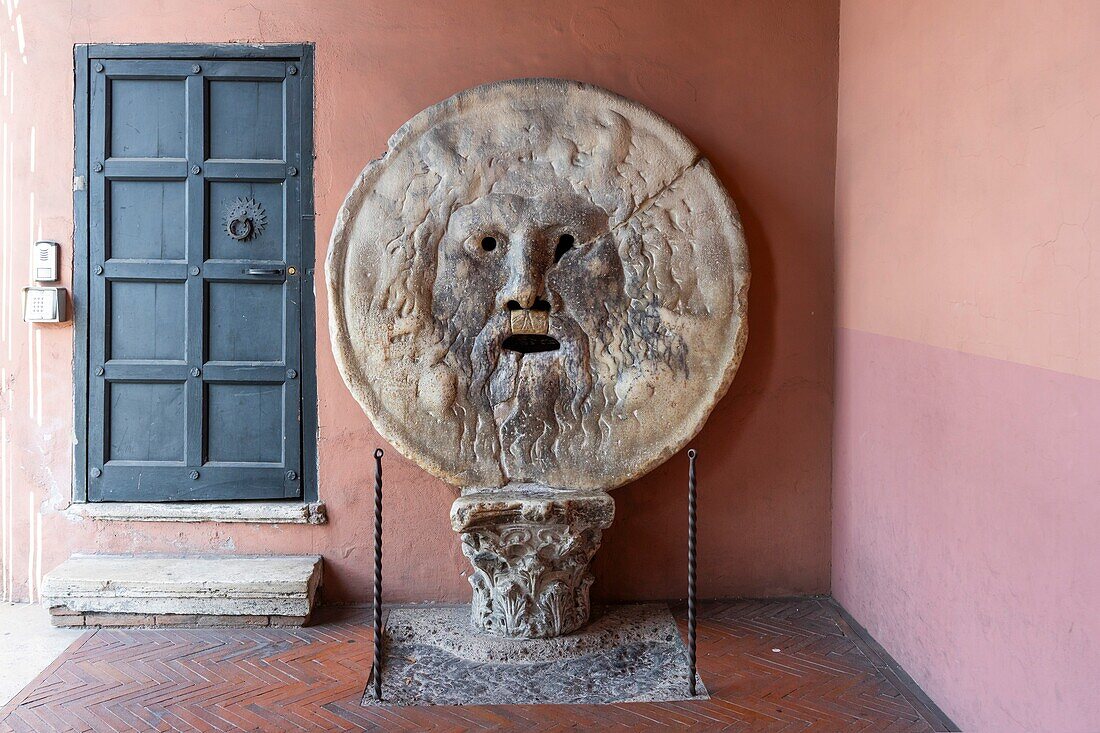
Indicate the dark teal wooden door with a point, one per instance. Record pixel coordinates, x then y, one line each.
194 333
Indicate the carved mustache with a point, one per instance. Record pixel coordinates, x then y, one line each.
529 321
520 330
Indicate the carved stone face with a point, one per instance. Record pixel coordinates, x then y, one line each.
539 283
548 276
542 262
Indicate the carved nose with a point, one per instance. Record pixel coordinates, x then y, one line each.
527 263
514 299
539 305
523 290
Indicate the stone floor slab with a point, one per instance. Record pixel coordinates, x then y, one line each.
434 656
28 644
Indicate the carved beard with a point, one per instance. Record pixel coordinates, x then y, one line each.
537 399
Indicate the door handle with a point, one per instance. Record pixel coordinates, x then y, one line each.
263 271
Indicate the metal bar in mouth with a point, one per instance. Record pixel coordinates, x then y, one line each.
691 572
376 666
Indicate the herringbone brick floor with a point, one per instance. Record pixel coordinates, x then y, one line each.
772 665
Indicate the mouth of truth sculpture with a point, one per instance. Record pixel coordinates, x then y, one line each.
538 294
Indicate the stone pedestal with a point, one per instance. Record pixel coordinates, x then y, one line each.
530 548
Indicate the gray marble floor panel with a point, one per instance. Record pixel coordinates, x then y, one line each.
434 656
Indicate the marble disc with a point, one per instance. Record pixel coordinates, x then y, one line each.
540 282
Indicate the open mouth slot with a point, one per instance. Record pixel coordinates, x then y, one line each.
531 343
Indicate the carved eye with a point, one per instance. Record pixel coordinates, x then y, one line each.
565 243
489 243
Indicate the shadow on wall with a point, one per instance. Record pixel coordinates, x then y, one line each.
651 513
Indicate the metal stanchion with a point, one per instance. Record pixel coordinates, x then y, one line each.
691 572
376 667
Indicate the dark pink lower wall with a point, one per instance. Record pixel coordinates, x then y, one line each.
966 511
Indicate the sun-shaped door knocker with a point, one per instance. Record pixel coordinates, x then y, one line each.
245 219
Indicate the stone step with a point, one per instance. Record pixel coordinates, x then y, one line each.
182 590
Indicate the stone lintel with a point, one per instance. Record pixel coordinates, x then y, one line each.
253 512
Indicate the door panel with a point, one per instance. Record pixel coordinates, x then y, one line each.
246 322
245 423
145 320
246 119
194 295
146 220
146 422
226 196
148 118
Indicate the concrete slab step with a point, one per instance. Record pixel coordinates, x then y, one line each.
148 590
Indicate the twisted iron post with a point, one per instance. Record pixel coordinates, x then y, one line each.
376 667
691 572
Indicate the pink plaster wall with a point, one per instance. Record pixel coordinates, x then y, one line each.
752 83
965 528
966 481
